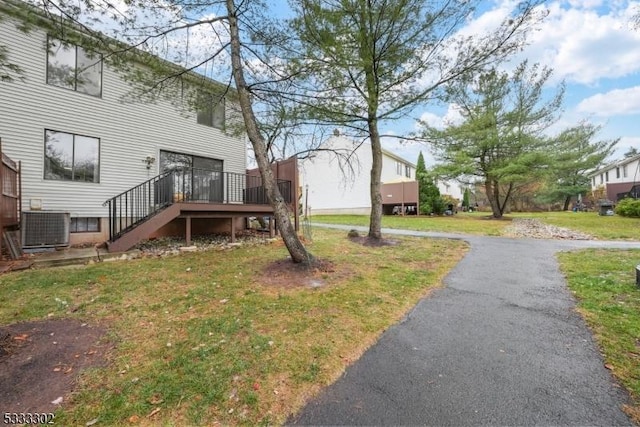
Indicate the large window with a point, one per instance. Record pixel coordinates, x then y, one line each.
199 179
407 171
69 157
211 111
74 68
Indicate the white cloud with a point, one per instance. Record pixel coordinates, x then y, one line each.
626 142
615 102
451 117
432 120
585 43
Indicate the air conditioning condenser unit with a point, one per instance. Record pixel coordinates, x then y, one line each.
42 229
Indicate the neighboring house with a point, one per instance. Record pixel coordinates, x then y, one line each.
81 143
451 188
337 185
617 178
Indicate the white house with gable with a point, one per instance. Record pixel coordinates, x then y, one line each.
617 177
338 182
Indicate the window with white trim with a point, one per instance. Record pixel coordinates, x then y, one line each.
71 67
211 111
70 157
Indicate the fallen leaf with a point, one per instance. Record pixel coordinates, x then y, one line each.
92 422
69 369
57 401
156 399
152 413
133 419
91 352
256 386
21 337
57 369
608 366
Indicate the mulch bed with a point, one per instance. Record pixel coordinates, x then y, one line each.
39 362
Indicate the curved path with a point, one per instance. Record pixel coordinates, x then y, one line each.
500 344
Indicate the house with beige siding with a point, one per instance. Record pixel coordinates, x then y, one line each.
90 153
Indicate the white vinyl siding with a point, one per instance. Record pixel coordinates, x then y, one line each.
335 188
129 132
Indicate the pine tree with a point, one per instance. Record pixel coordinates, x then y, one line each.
428 193
465 199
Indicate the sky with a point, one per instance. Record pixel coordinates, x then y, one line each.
593 47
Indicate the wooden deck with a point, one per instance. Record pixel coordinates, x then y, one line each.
189 211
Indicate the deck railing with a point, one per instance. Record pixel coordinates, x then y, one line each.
185 185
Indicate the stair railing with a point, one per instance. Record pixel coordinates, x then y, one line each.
185 185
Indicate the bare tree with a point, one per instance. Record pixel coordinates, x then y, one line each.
160 35
370 62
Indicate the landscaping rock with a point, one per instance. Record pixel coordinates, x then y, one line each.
533 228
169 246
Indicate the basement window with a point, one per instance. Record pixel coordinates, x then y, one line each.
85 225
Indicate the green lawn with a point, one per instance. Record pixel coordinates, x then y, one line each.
604 283
466 223
601 227
217 337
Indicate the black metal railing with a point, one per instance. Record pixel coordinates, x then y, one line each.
185 185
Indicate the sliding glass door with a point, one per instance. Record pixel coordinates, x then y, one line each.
196 178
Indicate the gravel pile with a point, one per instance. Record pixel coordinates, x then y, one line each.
533 228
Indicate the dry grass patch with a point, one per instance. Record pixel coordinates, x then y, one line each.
233 337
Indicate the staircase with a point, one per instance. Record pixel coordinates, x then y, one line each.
138 212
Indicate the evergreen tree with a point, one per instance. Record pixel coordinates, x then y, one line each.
465 199
575 154
501 139
370 62
428 193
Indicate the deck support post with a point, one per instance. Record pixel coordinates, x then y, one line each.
272 228
188 229
233 229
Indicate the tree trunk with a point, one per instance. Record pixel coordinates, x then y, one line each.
375 219
298 252
493 195
503 207
567 200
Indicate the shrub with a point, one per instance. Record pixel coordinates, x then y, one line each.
629 207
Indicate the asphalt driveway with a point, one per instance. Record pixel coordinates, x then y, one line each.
500 344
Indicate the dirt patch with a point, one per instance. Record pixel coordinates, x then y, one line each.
286 274
366 241
42 359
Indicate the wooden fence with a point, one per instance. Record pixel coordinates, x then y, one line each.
10 202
